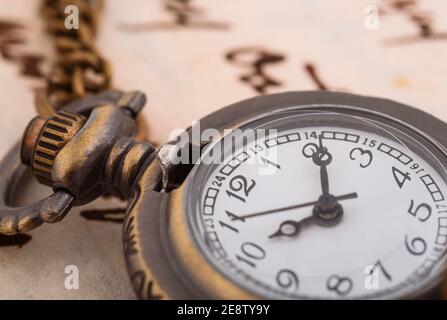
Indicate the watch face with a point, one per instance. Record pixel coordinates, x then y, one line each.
322 203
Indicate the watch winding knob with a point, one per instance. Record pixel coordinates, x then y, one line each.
43 140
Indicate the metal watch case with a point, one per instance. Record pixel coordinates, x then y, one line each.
162 258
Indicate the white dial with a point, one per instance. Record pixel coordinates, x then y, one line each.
324 211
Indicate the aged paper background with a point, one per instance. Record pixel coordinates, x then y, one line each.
191 61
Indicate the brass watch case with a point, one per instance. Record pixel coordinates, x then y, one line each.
163 260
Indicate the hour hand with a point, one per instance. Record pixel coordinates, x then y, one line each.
290 228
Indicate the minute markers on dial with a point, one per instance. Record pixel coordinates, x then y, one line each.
441 236
282 139
432 188
396 154
343 136
235 162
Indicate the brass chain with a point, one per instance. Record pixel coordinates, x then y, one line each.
78 69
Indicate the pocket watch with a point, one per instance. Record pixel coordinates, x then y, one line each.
346 199
297 195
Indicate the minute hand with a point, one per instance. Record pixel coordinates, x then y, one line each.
298 206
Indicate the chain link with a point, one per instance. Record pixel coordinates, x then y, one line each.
78 69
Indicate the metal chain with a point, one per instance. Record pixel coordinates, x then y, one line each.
78 69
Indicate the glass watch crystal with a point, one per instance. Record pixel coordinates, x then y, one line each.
326 203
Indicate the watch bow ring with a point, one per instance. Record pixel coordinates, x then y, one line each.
43 141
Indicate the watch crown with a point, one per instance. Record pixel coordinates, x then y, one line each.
44 139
